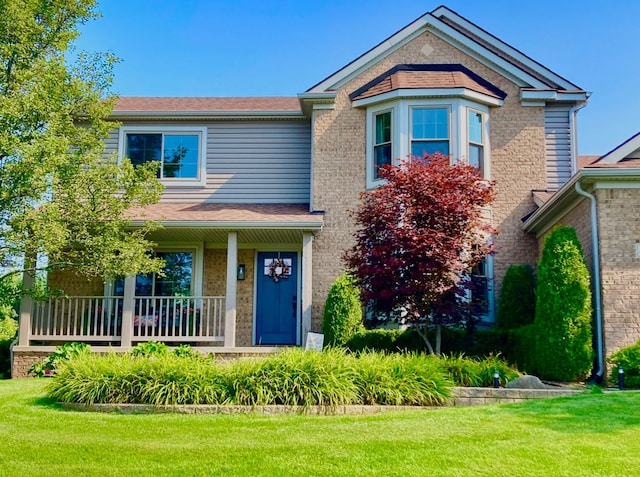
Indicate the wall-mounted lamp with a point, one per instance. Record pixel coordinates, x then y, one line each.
241 271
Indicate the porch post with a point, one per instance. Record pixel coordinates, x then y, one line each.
127 311
307 289
232 286
26 306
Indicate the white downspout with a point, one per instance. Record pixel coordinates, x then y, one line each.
596 277
574 134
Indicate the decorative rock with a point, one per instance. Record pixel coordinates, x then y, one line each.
527 382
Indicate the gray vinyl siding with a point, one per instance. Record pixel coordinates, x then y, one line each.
557 145
256 162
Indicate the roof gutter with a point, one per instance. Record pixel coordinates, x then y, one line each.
236 225
596 278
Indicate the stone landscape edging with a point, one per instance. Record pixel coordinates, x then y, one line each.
461 396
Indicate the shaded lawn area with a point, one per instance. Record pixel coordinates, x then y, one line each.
593 434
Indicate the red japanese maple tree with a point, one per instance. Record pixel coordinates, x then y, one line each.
418 234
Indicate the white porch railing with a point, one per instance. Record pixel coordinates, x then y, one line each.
100 319
178 319
81 318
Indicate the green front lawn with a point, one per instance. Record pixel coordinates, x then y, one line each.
592 434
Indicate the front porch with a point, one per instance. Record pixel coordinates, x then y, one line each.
217 295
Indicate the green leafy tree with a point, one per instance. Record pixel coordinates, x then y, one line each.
60 196
563 309
342 317
517 303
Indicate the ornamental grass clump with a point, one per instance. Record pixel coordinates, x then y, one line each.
295 378
473 372
401 379
292 377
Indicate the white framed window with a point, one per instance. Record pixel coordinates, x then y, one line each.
182 276
457 127
180 151
382 141
475 139
430 128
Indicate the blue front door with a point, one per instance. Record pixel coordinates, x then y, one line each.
277 298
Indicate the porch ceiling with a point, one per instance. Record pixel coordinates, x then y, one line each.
218 236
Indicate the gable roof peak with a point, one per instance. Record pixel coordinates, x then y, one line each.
466 36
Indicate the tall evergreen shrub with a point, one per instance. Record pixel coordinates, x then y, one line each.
342 312
563 309
517 303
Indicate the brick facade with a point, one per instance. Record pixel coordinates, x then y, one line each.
215 284
75 285
517 158
619 228
22 361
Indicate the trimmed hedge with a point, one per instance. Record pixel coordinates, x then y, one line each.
454 340
517 303
563 309
342 316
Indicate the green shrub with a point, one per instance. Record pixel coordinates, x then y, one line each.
58 358
520 348
342 312
150 348
563 309
517 303
629 358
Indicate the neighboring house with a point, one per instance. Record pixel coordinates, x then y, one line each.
258 190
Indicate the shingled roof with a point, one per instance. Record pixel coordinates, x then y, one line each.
206 104
168 213
437 76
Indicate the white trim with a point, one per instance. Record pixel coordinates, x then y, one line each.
324 107
621 152
230 314
306 284
201 180
172 115
616 185
464 93
532 64
543 95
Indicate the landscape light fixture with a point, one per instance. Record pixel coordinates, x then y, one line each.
620 378
496 379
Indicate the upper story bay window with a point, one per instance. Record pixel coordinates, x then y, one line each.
412 128
413 110
179 151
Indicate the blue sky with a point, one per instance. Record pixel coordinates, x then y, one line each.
282 48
